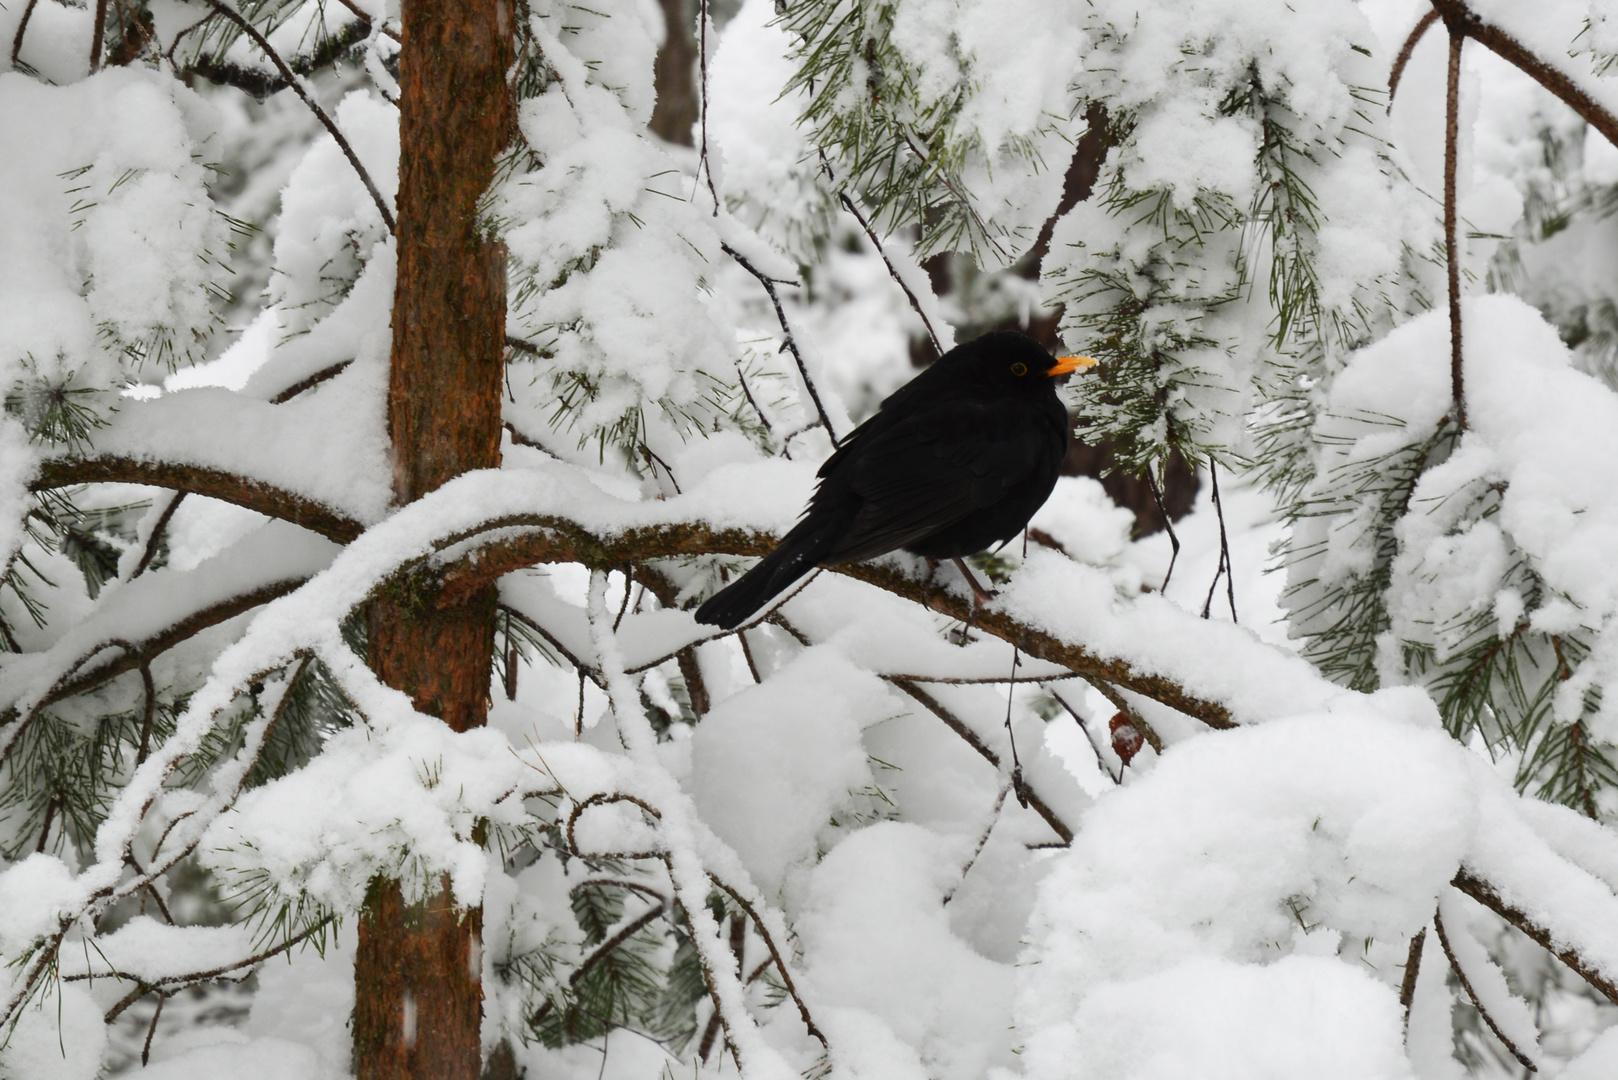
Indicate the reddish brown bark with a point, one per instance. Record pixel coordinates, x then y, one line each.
418 993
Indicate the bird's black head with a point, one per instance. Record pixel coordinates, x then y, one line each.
1008 359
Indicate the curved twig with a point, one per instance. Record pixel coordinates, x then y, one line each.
603 798
1466 984
775 954
1408 49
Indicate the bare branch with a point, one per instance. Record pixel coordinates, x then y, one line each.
320 114
959 726
791 342
893 271
1452 257
1466 984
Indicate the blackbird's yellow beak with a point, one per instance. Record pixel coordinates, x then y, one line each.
1066 365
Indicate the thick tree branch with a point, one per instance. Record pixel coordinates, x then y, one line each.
550 539
200 480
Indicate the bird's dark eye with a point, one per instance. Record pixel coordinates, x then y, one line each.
1019 369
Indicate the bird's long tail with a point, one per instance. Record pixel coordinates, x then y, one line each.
775 573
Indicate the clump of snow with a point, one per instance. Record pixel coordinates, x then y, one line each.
772 765
877 939
1301 1016
111 243
1350 824
58 1036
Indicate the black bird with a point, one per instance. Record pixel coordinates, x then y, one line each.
955 460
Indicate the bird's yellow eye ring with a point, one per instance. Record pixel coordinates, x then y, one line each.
1019 369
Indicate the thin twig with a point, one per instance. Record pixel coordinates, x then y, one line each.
769 428
703 164
775 954
97 30
893 271
351 6
1224 551
146 1048
1407 987
156 536
148 713
790 341
1452 112
326 121
1466 984
960 727
983 841
1168 527
310 382
22 28
1101 761
1399 62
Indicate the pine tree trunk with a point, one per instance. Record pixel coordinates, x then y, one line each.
418 993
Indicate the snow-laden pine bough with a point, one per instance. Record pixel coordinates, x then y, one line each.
1540 867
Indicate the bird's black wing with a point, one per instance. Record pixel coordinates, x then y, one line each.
932 468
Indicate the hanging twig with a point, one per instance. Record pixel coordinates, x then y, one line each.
150 712
146 1048
790 341
703 164
326 121
1403 58
1101 761
1452 124
1224 551
1168 527
893 271
1466 984
1011 736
